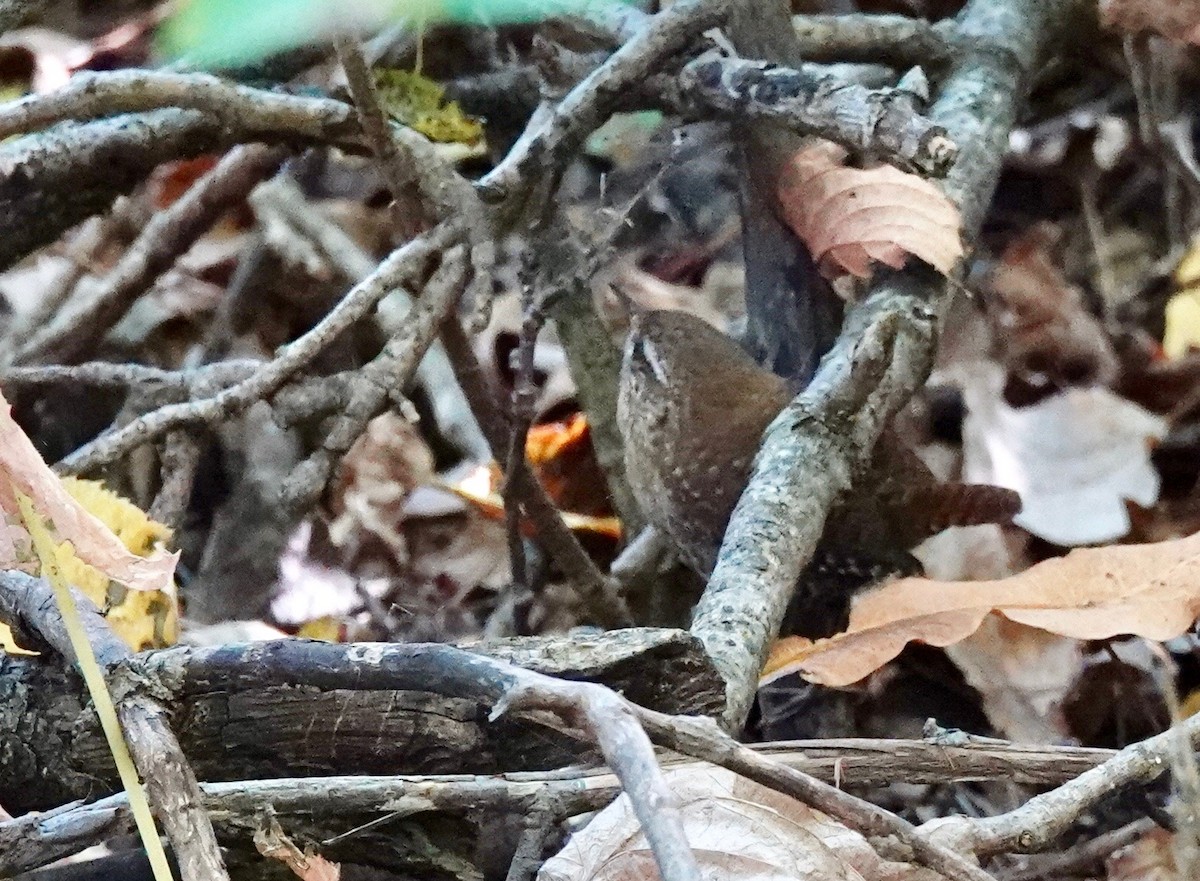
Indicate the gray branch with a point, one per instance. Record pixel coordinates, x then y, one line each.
824 438
171 785
886 123
898 40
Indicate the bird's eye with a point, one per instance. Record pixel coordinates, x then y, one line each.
646 353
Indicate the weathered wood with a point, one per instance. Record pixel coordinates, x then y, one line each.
51 749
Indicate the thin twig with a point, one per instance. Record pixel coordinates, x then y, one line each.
169 233
538 823
180 457
92 95
392 272
405 209
897 40
701 738
388 374
110 375
524 396
1082 857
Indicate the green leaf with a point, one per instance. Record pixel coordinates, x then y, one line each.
209 33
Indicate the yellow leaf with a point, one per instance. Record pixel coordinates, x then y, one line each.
142 618
1182 324
1182 330
326 629
419 103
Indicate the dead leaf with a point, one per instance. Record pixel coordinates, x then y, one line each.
561 456
1023 675
375 479
1043 331
92 542
1150 590
851 217
1150 858
1076 457
459 552
171 180
310 589
270 841
738 830
1175 19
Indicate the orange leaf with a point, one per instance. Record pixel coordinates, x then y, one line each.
482 489
852 217
1150 590
272 842
560 454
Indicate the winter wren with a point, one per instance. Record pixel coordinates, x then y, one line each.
693 407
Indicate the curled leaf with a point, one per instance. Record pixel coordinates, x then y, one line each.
94 543
1150 590
851 218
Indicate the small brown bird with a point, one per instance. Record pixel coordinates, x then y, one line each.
693 408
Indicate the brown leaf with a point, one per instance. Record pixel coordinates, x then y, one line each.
1148 590
271 842
376 477
1023 675
1150 858
1176 19
1042 328
739 831
852 217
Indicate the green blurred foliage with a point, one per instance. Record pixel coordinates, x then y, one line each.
209 33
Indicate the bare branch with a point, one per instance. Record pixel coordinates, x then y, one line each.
251 112
392 272
168 235
899 40
170 784
819 442
884 123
